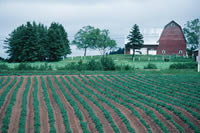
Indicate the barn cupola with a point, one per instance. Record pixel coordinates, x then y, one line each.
172 40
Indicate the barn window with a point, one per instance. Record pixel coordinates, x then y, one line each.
172 25
163 52
180 51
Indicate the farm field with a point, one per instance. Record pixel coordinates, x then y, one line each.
141 103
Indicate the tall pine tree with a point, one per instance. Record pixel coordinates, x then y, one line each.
135 39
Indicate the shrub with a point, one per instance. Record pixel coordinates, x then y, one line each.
107 63
4 67
150 66
94 65
183 66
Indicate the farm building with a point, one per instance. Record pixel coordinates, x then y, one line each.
172 40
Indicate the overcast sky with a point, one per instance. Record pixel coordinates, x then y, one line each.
116 15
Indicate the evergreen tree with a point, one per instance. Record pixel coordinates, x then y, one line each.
34 42
58 42
135 39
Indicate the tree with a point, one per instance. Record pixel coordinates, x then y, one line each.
58 42
34 42
86 38
191 31
104 43
135 39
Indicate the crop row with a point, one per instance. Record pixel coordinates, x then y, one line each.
5 83
105 112
36 107
22 120
104 92
150 91
60 105
77 111
138 100
146 110
6 119
48 106
176 92
90 111
132 87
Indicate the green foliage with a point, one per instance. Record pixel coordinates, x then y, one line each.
36 107
183 66
4 67
48 106
150 66
135 38
34 42
192 31
22 120
91 113
86 38
58 43
5 83
6 119
94 65
107 63
77 111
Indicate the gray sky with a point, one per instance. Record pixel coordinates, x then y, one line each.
116 15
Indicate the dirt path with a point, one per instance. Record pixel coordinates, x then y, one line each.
115 117
16 111
6 102
30 109
91 125
44 128
73 120
59 122
5 86
106 125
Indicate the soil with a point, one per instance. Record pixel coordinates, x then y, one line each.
106 125
59 122
16 111
30 109
6 102
134 122
44 127
5 86
73 120
91 125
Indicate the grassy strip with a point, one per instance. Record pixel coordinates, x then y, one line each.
105 112
36 107
48 106
6 82
5 92
6 119
92 115
150 100
104 92
61 106
77 111
22 120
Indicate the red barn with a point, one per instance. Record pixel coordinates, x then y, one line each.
172 40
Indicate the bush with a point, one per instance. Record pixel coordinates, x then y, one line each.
107 63
4 67
183 66
94 65
150 66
